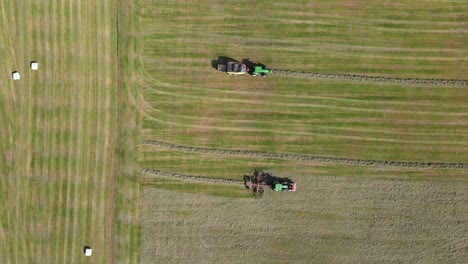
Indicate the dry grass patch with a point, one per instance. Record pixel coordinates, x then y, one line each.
330 219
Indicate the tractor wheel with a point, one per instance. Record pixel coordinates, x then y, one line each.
258 192
255 191
261 193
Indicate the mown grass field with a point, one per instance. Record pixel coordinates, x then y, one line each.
339 213
344 219
58 136
186 102
113 73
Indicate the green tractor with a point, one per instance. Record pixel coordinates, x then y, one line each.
260 179
256 68
285 186
261 70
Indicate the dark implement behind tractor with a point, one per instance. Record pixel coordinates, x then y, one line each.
260 179
233 68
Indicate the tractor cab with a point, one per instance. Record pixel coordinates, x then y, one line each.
261 71
286 186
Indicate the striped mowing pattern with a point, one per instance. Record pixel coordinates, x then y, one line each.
58 131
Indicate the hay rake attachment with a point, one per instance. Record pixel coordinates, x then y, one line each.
260 179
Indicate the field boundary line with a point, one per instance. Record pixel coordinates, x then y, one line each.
370 79
180 176
306 158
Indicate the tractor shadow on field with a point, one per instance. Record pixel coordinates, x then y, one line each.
221 60
247 182
251 65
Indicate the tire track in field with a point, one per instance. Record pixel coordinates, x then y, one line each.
282 104
307 158
21 12
67 190
39 195
83 145
74 23
179 176
369 79
455 28
111 207
25 40
54 197
148 88
83 101
17 221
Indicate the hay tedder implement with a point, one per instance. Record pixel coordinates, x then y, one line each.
260 179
